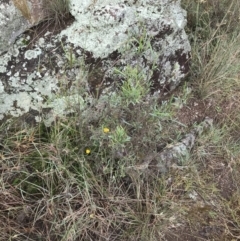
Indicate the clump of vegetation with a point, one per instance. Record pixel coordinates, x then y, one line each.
83 178
57 10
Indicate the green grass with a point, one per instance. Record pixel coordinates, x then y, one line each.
85 177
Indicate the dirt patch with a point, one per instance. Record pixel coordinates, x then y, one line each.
226 184
195 111
199 227
180 235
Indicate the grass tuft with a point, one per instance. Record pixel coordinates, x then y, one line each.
56 10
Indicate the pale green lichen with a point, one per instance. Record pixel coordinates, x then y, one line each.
29 95
104 27
32 54
1 87
4 62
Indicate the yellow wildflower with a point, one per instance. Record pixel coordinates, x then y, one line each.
106 130
88 151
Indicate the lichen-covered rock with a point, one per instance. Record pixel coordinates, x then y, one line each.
146 33
27 81
109 35
173 155
12 24
16 16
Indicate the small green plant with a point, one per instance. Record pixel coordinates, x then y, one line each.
142 41
119 137
69 55
135 85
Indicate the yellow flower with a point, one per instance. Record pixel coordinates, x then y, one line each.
106 130
88 151
92 215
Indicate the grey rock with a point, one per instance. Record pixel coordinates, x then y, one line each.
108 35
173 155
16 16
12 24
144 33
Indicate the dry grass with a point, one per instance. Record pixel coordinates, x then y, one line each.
23 6
57 10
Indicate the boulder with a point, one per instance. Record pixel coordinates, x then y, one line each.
144 33
32 10
17 17
109 36
12 24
